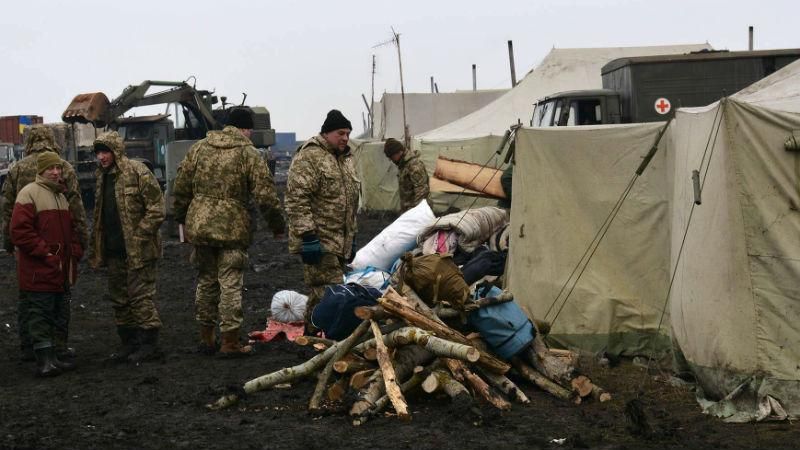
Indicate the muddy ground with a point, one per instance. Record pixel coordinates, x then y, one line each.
160 405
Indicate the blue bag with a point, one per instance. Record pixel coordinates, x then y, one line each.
505 327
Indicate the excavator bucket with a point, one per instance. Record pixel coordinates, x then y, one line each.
87 108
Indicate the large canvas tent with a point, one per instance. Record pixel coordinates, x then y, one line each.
734 307
735 304
566 182
425 112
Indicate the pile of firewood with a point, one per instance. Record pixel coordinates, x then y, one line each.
415 349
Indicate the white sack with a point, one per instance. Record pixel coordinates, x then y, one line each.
288 306
394 240
370 277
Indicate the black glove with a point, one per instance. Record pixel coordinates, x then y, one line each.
312 249
353 249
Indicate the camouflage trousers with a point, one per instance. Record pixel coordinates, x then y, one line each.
42 310
133 293
330 270
219 286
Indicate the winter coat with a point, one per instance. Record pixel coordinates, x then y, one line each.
140 203
45 236
412 179
24 171
216 181
322 193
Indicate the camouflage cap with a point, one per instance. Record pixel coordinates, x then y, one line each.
40 138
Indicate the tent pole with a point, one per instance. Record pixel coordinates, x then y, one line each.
511 63
474 78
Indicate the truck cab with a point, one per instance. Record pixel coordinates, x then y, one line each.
7 158
589 107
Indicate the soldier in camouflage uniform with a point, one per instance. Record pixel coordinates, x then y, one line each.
40 139
216 181
129 210
322 194
412 178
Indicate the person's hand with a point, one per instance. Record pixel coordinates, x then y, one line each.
311 250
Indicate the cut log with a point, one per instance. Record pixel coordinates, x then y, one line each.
599 394
416 379
554 367
435 345
352 366
582 385
337 390
342 349
370 354
360 379
440 380
396 305
462 373
504 385
540 380
387 370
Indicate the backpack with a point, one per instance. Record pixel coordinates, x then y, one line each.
504 326
335 312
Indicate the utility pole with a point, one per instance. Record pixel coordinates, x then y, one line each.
511 63
432 90
750 38
474 78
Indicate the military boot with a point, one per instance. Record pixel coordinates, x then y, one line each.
148 346
208 342
46 363
231 347
130 343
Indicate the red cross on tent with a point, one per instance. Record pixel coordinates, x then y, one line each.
663 105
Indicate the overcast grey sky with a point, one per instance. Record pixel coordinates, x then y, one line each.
300 59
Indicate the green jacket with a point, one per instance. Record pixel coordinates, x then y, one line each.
412 180
140 203
216 182
23 172
322 193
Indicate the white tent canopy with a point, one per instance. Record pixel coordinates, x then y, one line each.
563 69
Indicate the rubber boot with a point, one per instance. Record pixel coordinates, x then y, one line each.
45 363
231 347
65 353
63 364
130 343
208 342
148 346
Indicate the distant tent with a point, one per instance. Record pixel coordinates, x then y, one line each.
425 112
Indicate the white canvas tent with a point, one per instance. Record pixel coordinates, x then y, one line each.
735 304
424 111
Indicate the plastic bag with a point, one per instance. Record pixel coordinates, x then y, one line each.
370 277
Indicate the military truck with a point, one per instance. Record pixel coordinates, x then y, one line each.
7 158
647 88
154 139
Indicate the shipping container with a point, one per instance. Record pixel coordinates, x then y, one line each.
12 127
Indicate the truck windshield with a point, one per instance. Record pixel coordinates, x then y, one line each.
585 112
544 114
6 153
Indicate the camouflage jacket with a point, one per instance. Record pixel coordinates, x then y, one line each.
412 179
40 139
322 193
216 182
140 203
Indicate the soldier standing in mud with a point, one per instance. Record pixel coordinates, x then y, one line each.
412 178
128 212
40 140
220 176
322 194
47 260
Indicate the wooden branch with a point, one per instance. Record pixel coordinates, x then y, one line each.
556 368
433 344
416 379
541 381
371 313
600 394
337 390
396 305
504 385
342 349
387 370
284 375
311 340
582 385
440 380
461 373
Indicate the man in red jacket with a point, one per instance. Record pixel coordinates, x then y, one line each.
48 251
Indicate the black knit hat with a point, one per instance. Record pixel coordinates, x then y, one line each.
335 121
241 118
392 147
